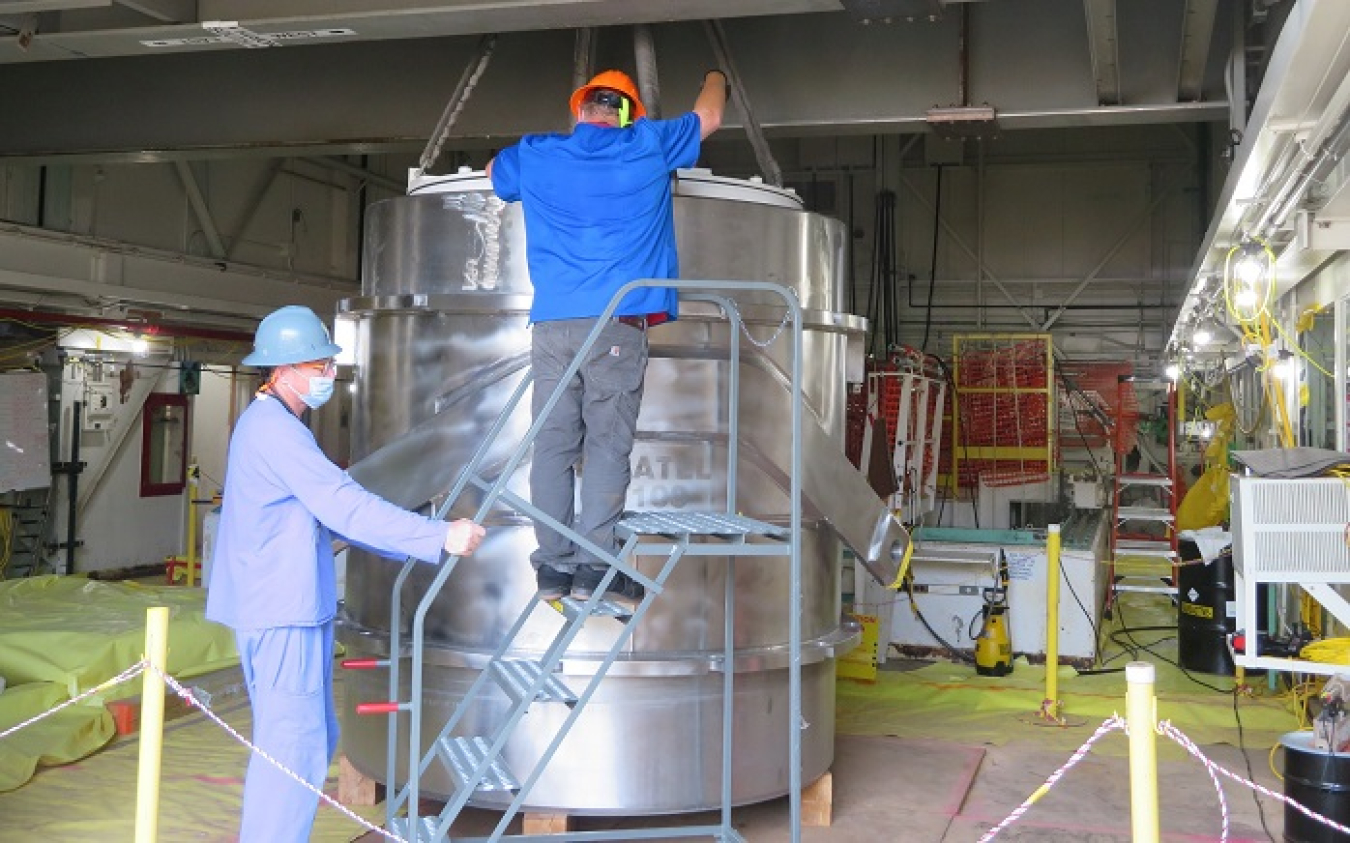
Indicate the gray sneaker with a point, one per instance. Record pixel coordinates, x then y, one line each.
622 589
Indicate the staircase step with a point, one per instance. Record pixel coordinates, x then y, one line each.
1147 589
463 755
425 830
1139 547
516 676
574 608
1160 480
679 525
1144 513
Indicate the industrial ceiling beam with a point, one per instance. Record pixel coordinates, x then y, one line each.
1102 45
199 208
174 26
112 273
1197 33
19 7
1138 222
361 173
380 96
960 242
164 11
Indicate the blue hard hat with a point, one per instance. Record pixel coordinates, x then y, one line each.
292 334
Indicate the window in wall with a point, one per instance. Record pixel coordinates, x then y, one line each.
164 445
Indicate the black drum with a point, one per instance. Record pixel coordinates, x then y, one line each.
1206 611
1319 780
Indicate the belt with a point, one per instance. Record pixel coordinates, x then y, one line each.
639 322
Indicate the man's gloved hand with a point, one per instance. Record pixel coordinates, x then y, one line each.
464 537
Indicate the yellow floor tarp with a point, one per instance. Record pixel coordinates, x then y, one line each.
60 636
201 787
949 701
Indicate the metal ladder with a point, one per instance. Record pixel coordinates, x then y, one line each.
29 514
474 762
1150 561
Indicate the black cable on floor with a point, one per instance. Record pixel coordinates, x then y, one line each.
1251 777
955 653
1092 624
1125 628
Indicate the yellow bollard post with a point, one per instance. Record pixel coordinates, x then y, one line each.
192 474
1141 714
1050 707
152 725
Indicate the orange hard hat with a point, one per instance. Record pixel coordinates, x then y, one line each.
614 80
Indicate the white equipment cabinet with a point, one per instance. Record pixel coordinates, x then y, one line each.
1289 532
953 566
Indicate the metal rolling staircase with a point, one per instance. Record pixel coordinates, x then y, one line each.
475 762
1143 505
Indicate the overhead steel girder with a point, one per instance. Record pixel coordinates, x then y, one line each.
22 7
84 33
1103 43
1197 32
55 265
378 96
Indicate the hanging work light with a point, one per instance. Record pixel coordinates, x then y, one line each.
1249 279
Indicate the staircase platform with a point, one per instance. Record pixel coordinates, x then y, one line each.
730 534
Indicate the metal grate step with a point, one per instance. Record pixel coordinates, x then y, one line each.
681 525
516 676
573 609
425 829
463 755
1158 480
1144 513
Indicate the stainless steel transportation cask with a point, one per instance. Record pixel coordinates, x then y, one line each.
442 339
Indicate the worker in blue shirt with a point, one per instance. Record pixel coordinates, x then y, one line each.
273 579
598 214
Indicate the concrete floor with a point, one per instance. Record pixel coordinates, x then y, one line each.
916 788
926 790
922 791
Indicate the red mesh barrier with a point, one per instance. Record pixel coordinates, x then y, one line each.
1003 416
1099 394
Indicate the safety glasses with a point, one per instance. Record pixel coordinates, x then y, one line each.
318 367
609 99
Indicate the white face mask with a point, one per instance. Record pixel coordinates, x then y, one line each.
320 390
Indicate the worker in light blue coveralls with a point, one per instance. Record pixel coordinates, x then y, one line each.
598 214
273 580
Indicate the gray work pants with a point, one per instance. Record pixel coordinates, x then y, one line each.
592 424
